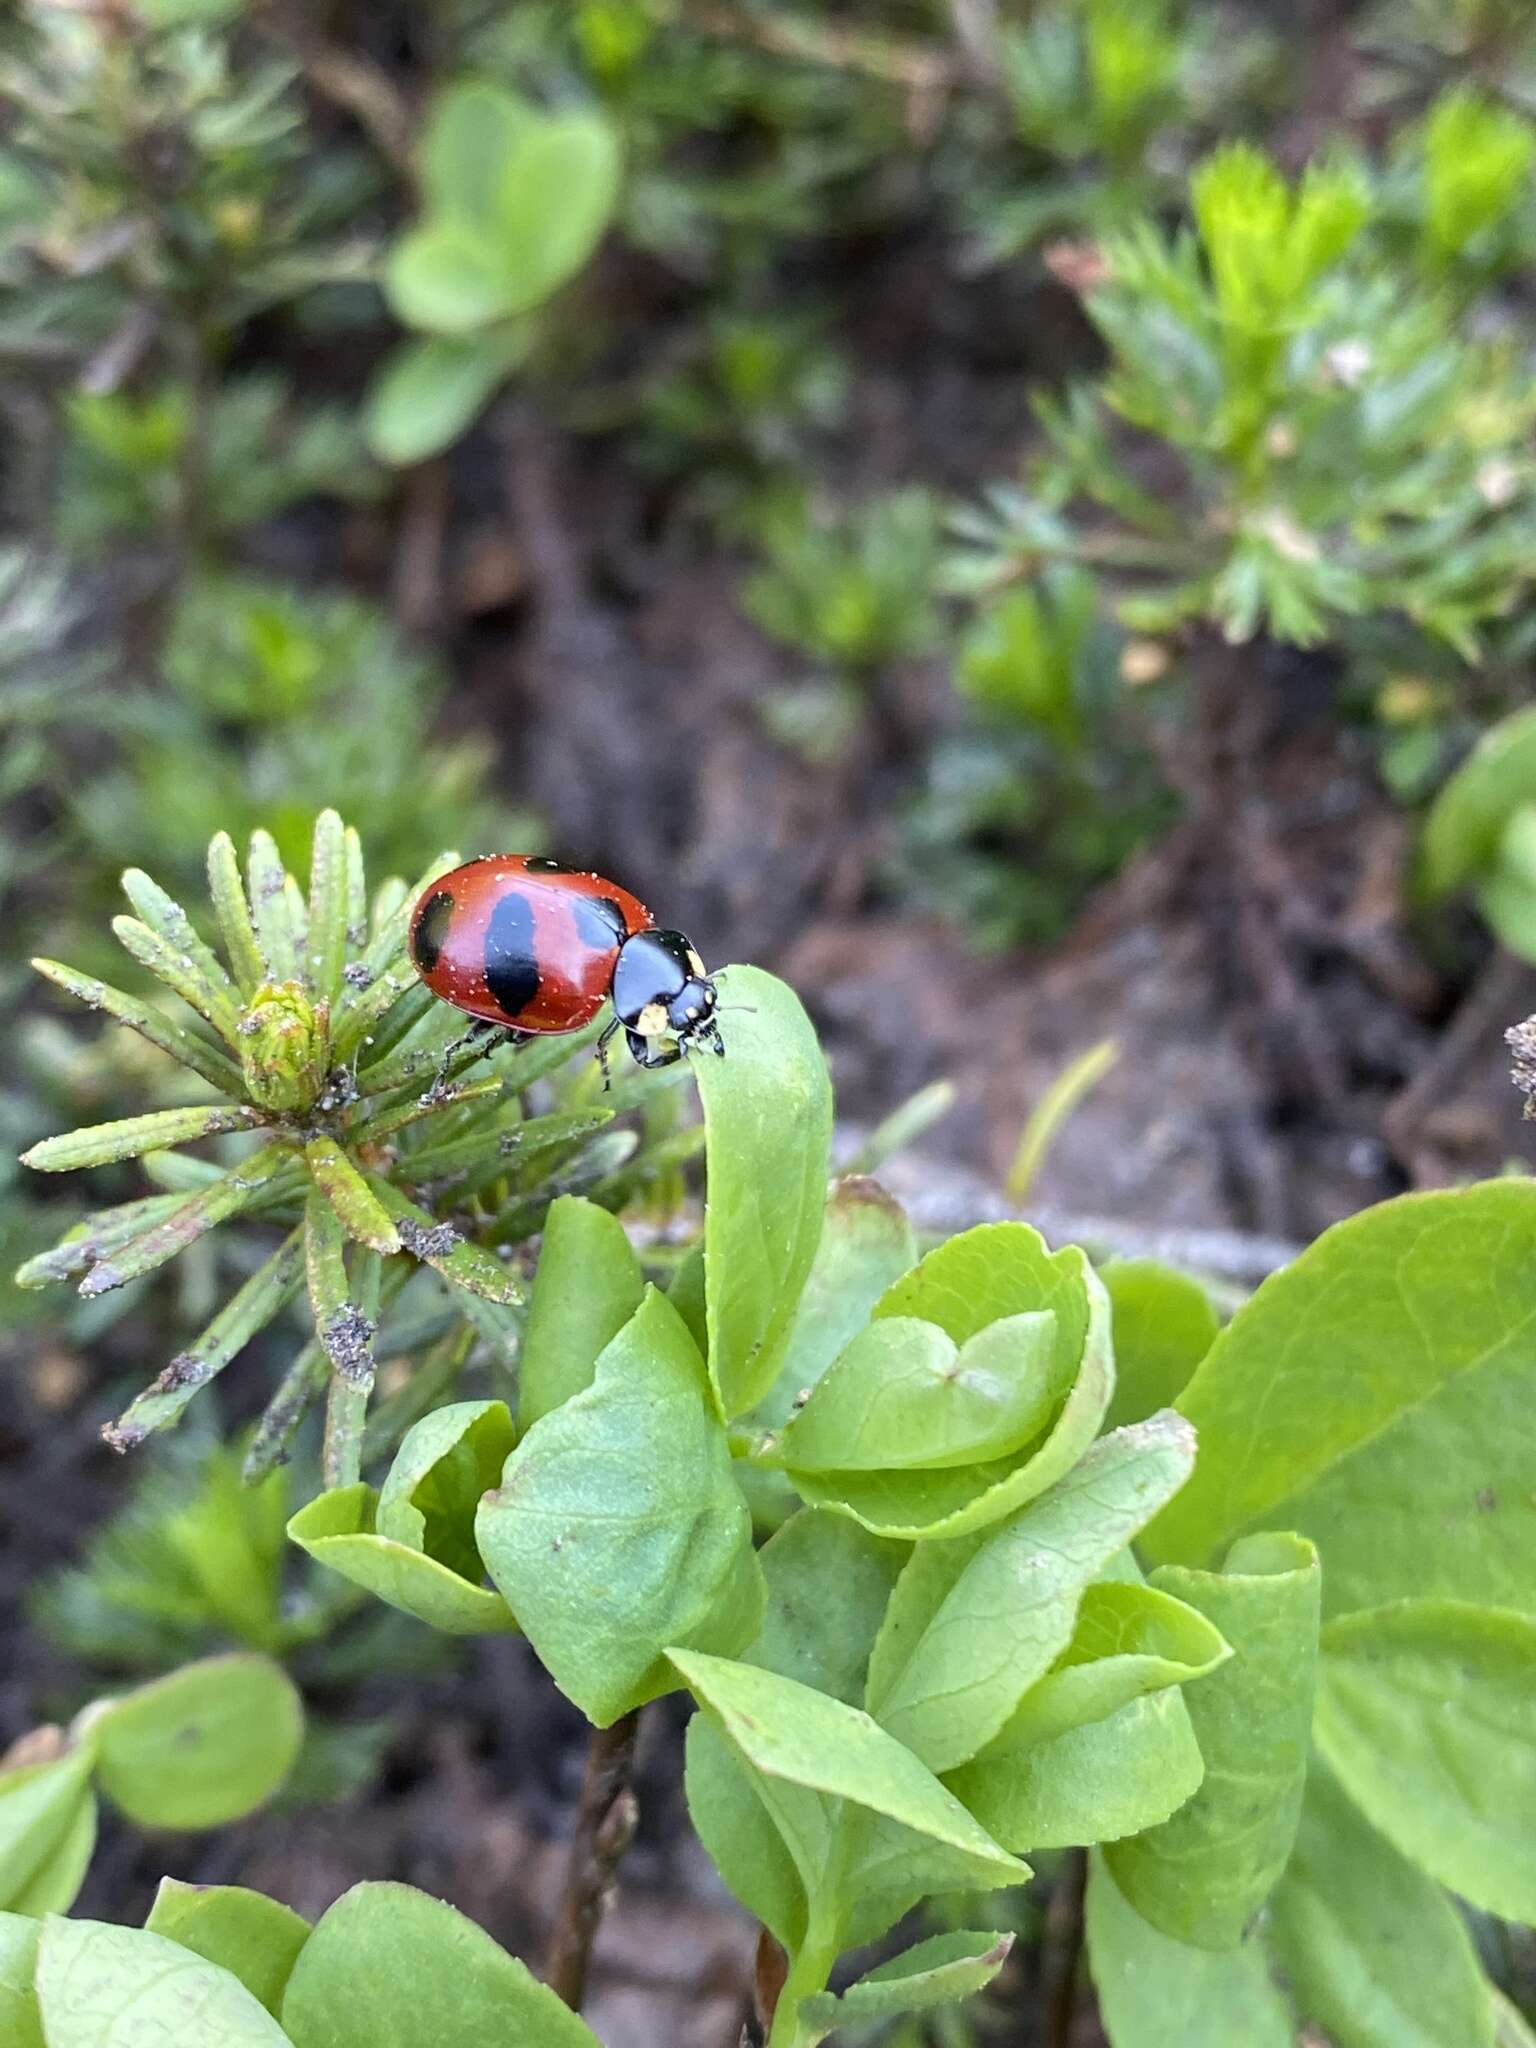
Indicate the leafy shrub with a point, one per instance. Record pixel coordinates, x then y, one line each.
1269 1650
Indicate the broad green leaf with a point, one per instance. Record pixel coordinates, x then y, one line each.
587 1286
934 1972
55 1884
768 1119
255 1938
618 1528
1128 1640
389 1967
100 1986
1426 1711
729 1814
433 386
1158 1993
130 1136
21 2024
973 1625
1203 1875
1091 1784
1511 2029
470 134
447 278
866 1245
338 1530
1163 1326
443 1468
204 1745
1467 818
828 1584
39 1804
904 1394
1375 1396
996 1270
1374 1952
794 1734
557 191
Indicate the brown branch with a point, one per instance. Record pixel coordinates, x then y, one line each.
918 67
606 1814
352 82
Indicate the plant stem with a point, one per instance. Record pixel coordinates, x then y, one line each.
606 1814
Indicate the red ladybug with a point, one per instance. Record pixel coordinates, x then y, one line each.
531 946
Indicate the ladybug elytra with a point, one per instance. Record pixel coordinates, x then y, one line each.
531 947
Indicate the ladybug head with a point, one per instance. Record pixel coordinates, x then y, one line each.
661 990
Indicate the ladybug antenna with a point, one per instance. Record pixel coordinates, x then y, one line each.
747 1009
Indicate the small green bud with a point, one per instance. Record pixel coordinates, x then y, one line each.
285 1041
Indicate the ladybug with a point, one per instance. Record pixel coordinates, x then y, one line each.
530 947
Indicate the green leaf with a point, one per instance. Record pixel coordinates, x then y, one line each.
55 1885
233 912
254 1938
471 132
243 1187
442 1470
934 1972
1090 1784
866 1245
738 1830
1374 1952
1163 1326
587 1286
618 1529
996 1271
131 1136
1203 1875
432 387
792 1733
1466 821
203 1059
327 924
768 1118
1425 1714
1157 1993
448 1251
1128 1640
38 1807
389 1967
338 1179
202 1746
21 2024
447 278
972 1625
557 192
345 1333
828 1585
903 1394
216 996
113 1987
1375 1396
338 1530
1510 2027
249 1309
272 911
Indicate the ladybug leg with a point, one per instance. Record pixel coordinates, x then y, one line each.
649 1055
485 1035
602 1052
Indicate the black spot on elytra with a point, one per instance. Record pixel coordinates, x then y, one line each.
542 864
599 922
511 966
430 930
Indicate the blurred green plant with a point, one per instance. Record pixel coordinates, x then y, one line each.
515 201
1480 833
851 588
198 1748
